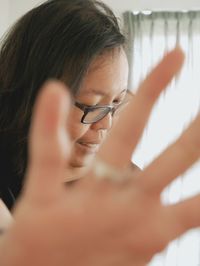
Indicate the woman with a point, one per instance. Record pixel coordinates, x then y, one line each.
80 45
94 222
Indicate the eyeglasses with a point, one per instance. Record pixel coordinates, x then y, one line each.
93 114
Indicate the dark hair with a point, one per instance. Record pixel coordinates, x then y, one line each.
58 39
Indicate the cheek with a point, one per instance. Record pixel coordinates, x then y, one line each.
114 120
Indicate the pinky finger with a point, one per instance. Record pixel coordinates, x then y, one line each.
183 216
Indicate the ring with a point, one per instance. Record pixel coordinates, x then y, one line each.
103 170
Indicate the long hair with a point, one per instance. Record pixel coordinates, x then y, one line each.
58 39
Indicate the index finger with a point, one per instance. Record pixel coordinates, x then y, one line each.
123 138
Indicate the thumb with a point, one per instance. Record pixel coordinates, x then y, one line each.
49 144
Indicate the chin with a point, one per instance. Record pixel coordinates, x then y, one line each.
82 161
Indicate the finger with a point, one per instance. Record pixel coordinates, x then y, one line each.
49 144
182 217
123 138
174 161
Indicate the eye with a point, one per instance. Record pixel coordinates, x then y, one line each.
118 100
91 105
88 103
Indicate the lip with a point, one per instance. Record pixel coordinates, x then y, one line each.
89 147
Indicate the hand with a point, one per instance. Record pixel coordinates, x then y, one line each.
99 222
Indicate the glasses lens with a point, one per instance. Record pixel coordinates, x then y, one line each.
96 115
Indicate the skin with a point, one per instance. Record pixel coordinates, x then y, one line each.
5 217
105 83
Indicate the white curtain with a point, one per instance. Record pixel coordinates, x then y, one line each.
150 35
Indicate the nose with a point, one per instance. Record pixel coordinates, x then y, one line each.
103 124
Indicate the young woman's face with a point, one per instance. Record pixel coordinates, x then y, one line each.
104 84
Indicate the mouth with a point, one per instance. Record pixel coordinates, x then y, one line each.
89 147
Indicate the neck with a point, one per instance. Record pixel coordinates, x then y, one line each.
74 173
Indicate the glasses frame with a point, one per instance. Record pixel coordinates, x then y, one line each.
110 108
87 109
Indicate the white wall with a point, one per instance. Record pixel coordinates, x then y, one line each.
4 15
10 10
18 7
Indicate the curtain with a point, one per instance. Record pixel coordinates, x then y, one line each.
150 35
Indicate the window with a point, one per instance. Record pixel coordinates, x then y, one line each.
150 35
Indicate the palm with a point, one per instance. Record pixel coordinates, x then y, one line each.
117 234
100 222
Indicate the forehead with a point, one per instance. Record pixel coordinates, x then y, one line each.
107 75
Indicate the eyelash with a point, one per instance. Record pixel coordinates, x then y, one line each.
117 101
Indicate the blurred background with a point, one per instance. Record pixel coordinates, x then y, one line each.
152 28
10 10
